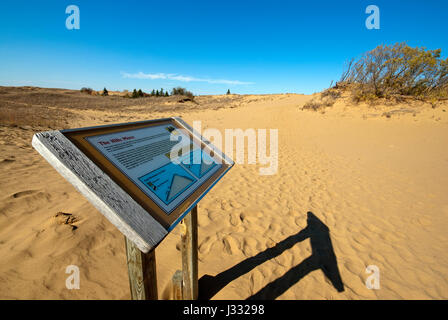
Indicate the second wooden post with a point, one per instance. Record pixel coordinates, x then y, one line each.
142 272
189 241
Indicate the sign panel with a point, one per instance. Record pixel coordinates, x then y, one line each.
162 165
144 156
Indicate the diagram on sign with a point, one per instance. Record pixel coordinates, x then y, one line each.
198 162
171 180
168 182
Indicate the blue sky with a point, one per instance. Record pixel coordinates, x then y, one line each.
205 46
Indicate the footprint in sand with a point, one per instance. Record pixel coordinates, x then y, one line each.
231 245
284 260
23 194
203 220
234 220
24 202
256 281
205 245
32 196
6 161
66 219
250 247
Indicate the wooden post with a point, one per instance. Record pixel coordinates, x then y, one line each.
142 272
189 241
177 283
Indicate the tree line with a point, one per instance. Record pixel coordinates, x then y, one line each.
178 91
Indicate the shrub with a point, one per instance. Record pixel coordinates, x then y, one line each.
105 92
397 70
331 94
87 90
326 99
182 92
312 105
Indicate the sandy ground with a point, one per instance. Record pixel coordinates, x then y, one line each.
376 187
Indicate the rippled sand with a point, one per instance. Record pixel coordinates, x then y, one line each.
375 189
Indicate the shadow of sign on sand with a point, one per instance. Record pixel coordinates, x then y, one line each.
322 258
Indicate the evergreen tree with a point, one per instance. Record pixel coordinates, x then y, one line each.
134 94
140 93
157 93
228 91
105 92
161 92
167 94
153 92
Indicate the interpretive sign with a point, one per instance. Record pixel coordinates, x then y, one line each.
143 176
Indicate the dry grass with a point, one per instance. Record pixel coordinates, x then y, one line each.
51 108
40 117
326 99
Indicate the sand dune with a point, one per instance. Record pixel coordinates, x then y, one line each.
375 186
